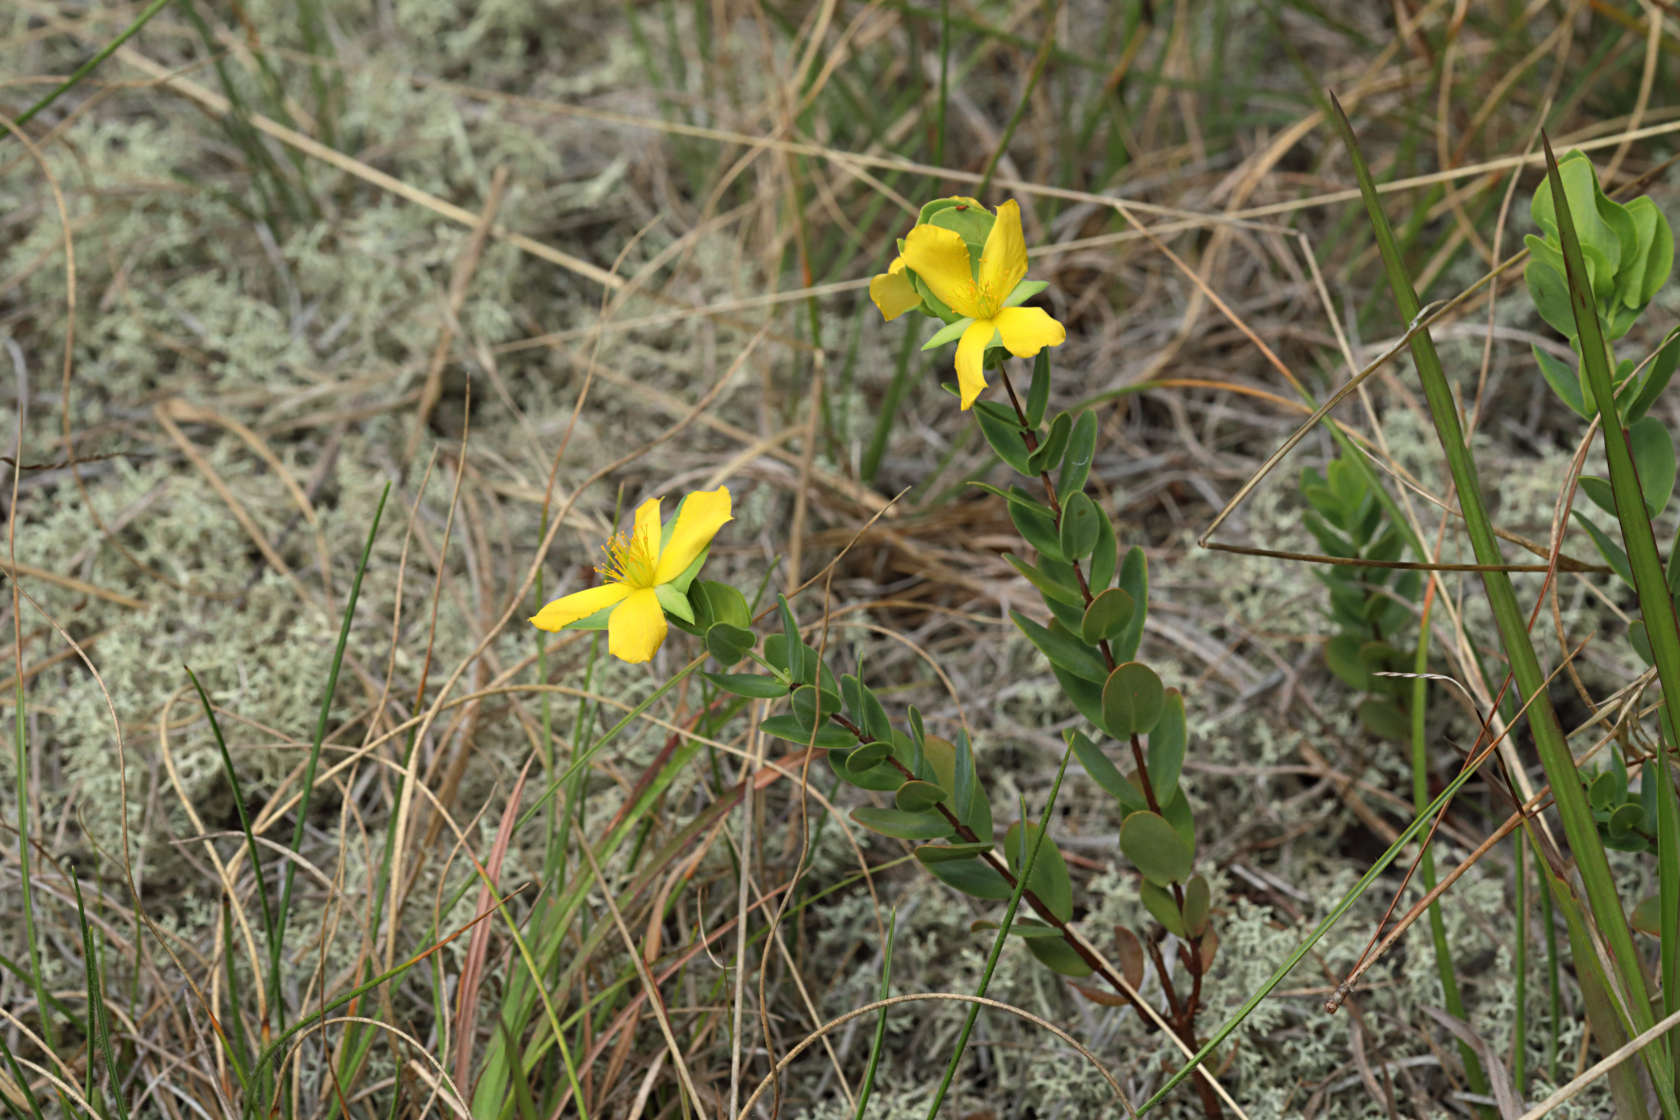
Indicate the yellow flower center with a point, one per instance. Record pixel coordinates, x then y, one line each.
631 559
989 302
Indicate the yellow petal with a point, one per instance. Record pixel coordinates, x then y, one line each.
701 516
1004 259
578 605
1027 330
940 258
636 627
648 526
893 293
971 360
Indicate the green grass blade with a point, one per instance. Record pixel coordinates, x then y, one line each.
244 817
1002 937
1519 969
878 1043
1608 916
88 67
26 883
1419 823
98 1017
21 1080
1649 580
1450 995
276 1007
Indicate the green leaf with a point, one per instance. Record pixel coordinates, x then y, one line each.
1049 879
1132 700
1004 432
1038 391
1564 380
1163 907
811 707
1106 617
1052 590
728 643
715 602
880 776
1154 848
1086 695
1134 581
1104 558
971 876
1341 653
902 823
1062 649
1104 772
792 644
1654 257
1607 548
946 853
1050 451
788 727
1079 526
1058 956
1166 747
1656 377
1599 493
1037 527
917 795
1197 901
751 685
1385 719
1082 447
871 754
1653 459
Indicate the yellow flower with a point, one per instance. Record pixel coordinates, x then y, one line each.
892 291
940 258
640 573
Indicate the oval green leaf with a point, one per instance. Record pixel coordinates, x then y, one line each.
1154 848
901 823
1132 700
1107 616
1049 879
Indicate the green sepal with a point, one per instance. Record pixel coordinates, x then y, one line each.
674 602
947 334
1021 293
